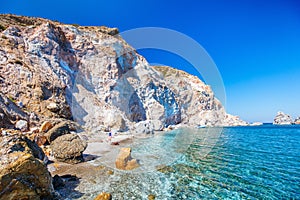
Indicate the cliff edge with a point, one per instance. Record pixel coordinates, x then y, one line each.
91 75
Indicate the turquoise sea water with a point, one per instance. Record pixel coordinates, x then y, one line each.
236 163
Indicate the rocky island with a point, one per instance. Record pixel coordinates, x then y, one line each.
283 119
58 80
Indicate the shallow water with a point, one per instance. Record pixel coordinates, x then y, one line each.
233 163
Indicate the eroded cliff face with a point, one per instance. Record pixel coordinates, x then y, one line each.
91 75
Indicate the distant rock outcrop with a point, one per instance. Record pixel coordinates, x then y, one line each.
297 121
283 119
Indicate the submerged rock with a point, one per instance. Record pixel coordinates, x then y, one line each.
124 160
151 197
103 196
282 119
68 148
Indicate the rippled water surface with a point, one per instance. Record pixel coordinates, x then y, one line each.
236 163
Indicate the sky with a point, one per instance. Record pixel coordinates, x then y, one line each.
255 44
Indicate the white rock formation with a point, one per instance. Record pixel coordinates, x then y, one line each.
282 119
95 74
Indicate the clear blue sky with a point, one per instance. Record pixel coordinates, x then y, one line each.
255 43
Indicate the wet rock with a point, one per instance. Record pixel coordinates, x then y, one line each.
110 172
58 130
103 196
22 172
151 197
46 126
165 169
68 148
22 125
124 160
282 119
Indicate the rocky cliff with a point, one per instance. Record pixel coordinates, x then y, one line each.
283 119
91 75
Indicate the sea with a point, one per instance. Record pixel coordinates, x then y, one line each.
259 162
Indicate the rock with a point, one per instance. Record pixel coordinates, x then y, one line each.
19 142
58 130
144 127
282 119
297 121
22 173
103 196
53 107
114 121
59 75
157 125
9 112
124 160
22 125
68 148
110 172
46 126
256 124
40 140
151 197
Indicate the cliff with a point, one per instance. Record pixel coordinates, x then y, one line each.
283 119
91 75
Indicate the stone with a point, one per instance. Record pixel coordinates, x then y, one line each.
124 160
110 172
53 107
157 125
151 197
103 196
9 112
144 127
58 130
40 140
23 175
46 126
282 119
68 148
114 121
22 125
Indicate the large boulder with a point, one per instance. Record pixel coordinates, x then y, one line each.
124 160
23 175
282 119
68 148
58 130
144 127
114 121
